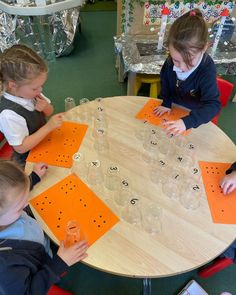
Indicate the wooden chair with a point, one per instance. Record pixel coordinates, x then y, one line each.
6 150
225 88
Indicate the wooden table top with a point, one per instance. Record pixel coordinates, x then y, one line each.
189 238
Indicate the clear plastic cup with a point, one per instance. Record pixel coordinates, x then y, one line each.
72 234
100 113
180 141
98 124
95 174
69 103
112 179
167 145
159 171
191 194
101 143
151 149
99 101
131 212
142 130
172 187
72 115
152 219
182 160
79 166
123 195
85 114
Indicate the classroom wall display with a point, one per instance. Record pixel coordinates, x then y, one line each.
150 12
211 10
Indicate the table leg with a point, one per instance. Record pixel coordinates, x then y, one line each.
131 83
147 286
120 67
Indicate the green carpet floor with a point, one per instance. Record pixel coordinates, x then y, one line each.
90 72
108 5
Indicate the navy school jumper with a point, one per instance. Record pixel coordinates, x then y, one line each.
199 92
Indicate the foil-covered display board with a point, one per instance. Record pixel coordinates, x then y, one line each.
135 62
50 35
139 54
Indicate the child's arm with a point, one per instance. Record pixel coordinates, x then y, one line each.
34 139
228 183
174 127
74 253
159 111
38 172
42 104
209 105
32 276
165 90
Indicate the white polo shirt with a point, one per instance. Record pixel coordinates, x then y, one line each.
13 125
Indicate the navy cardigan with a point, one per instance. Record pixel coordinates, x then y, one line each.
199 92
26 269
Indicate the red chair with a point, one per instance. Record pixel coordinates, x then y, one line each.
55 290
218 265
6 150
225 88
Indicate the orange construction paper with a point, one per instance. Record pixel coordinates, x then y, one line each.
58 147
71 199
147 113
223 207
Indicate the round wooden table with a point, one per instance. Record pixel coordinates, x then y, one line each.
189 238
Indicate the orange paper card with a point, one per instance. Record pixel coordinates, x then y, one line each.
59 146
222 207
147 113
71 199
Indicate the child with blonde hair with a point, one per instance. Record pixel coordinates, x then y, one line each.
23 108
26 262
188 76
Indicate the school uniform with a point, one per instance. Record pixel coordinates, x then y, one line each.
18 119
196 90
26 269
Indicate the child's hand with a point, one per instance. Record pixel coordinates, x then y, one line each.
159 111
74 253
40 169
40 103
55 121
174 127
228 183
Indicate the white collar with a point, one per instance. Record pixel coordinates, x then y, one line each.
27 103
184 75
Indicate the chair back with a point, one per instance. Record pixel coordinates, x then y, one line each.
225 88
6 150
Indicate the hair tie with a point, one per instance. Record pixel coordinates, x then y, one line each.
192 13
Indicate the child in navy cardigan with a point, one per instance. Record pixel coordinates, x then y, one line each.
188 76
27 265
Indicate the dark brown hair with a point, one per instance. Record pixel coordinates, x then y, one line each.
188 34
21 64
